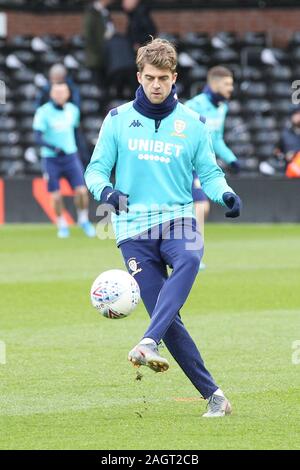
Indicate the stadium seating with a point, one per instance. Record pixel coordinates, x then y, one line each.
257 111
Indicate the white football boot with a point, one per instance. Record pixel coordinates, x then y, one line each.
148 355
217 407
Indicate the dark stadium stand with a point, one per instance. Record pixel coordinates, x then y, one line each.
77 5
259 107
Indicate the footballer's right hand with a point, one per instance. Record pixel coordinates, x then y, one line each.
115 198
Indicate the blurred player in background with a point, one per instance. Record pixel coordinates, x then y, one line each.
155 142
54 125
212 104
59 74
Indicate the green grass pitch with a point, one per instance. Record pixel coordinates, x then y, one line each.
67 384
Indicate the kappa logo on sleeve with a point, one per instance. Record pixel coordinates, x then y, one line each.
133 266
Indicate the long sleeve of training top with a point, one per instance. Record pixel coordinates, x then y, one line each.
221 149
41 142
97 175
210 174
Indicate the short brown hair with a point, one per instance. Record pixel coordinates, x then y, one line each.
218 72
160 53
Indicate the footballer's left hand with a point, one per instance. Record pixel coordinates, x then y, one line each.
234 203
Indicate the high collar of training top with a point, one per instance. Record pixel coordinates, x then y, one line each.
155 111
215 98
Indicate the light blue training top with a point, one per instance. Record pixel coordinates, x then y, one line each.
215 120
57 126
154 167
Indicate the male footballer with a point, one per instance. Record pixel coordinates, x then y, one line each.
155 142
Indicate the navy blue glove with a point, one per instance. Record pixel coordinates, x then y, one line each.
234 203
115 198
235 166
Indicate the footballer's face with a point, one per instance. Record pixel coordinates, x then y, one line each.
223 86
60 93
157 83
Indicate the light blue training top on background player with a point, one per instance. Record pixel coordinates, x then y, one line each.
154 166
215 120
57 126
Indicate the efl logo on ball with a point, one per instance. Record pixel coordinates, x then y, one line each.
115 294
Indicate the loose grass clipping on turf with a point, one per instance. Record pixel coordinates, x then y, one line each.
139 375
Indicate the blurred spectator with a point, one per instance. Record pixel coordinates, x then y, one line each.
286 156
289 145
58 74
109 55
98 28
290 138
140 23
121 69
